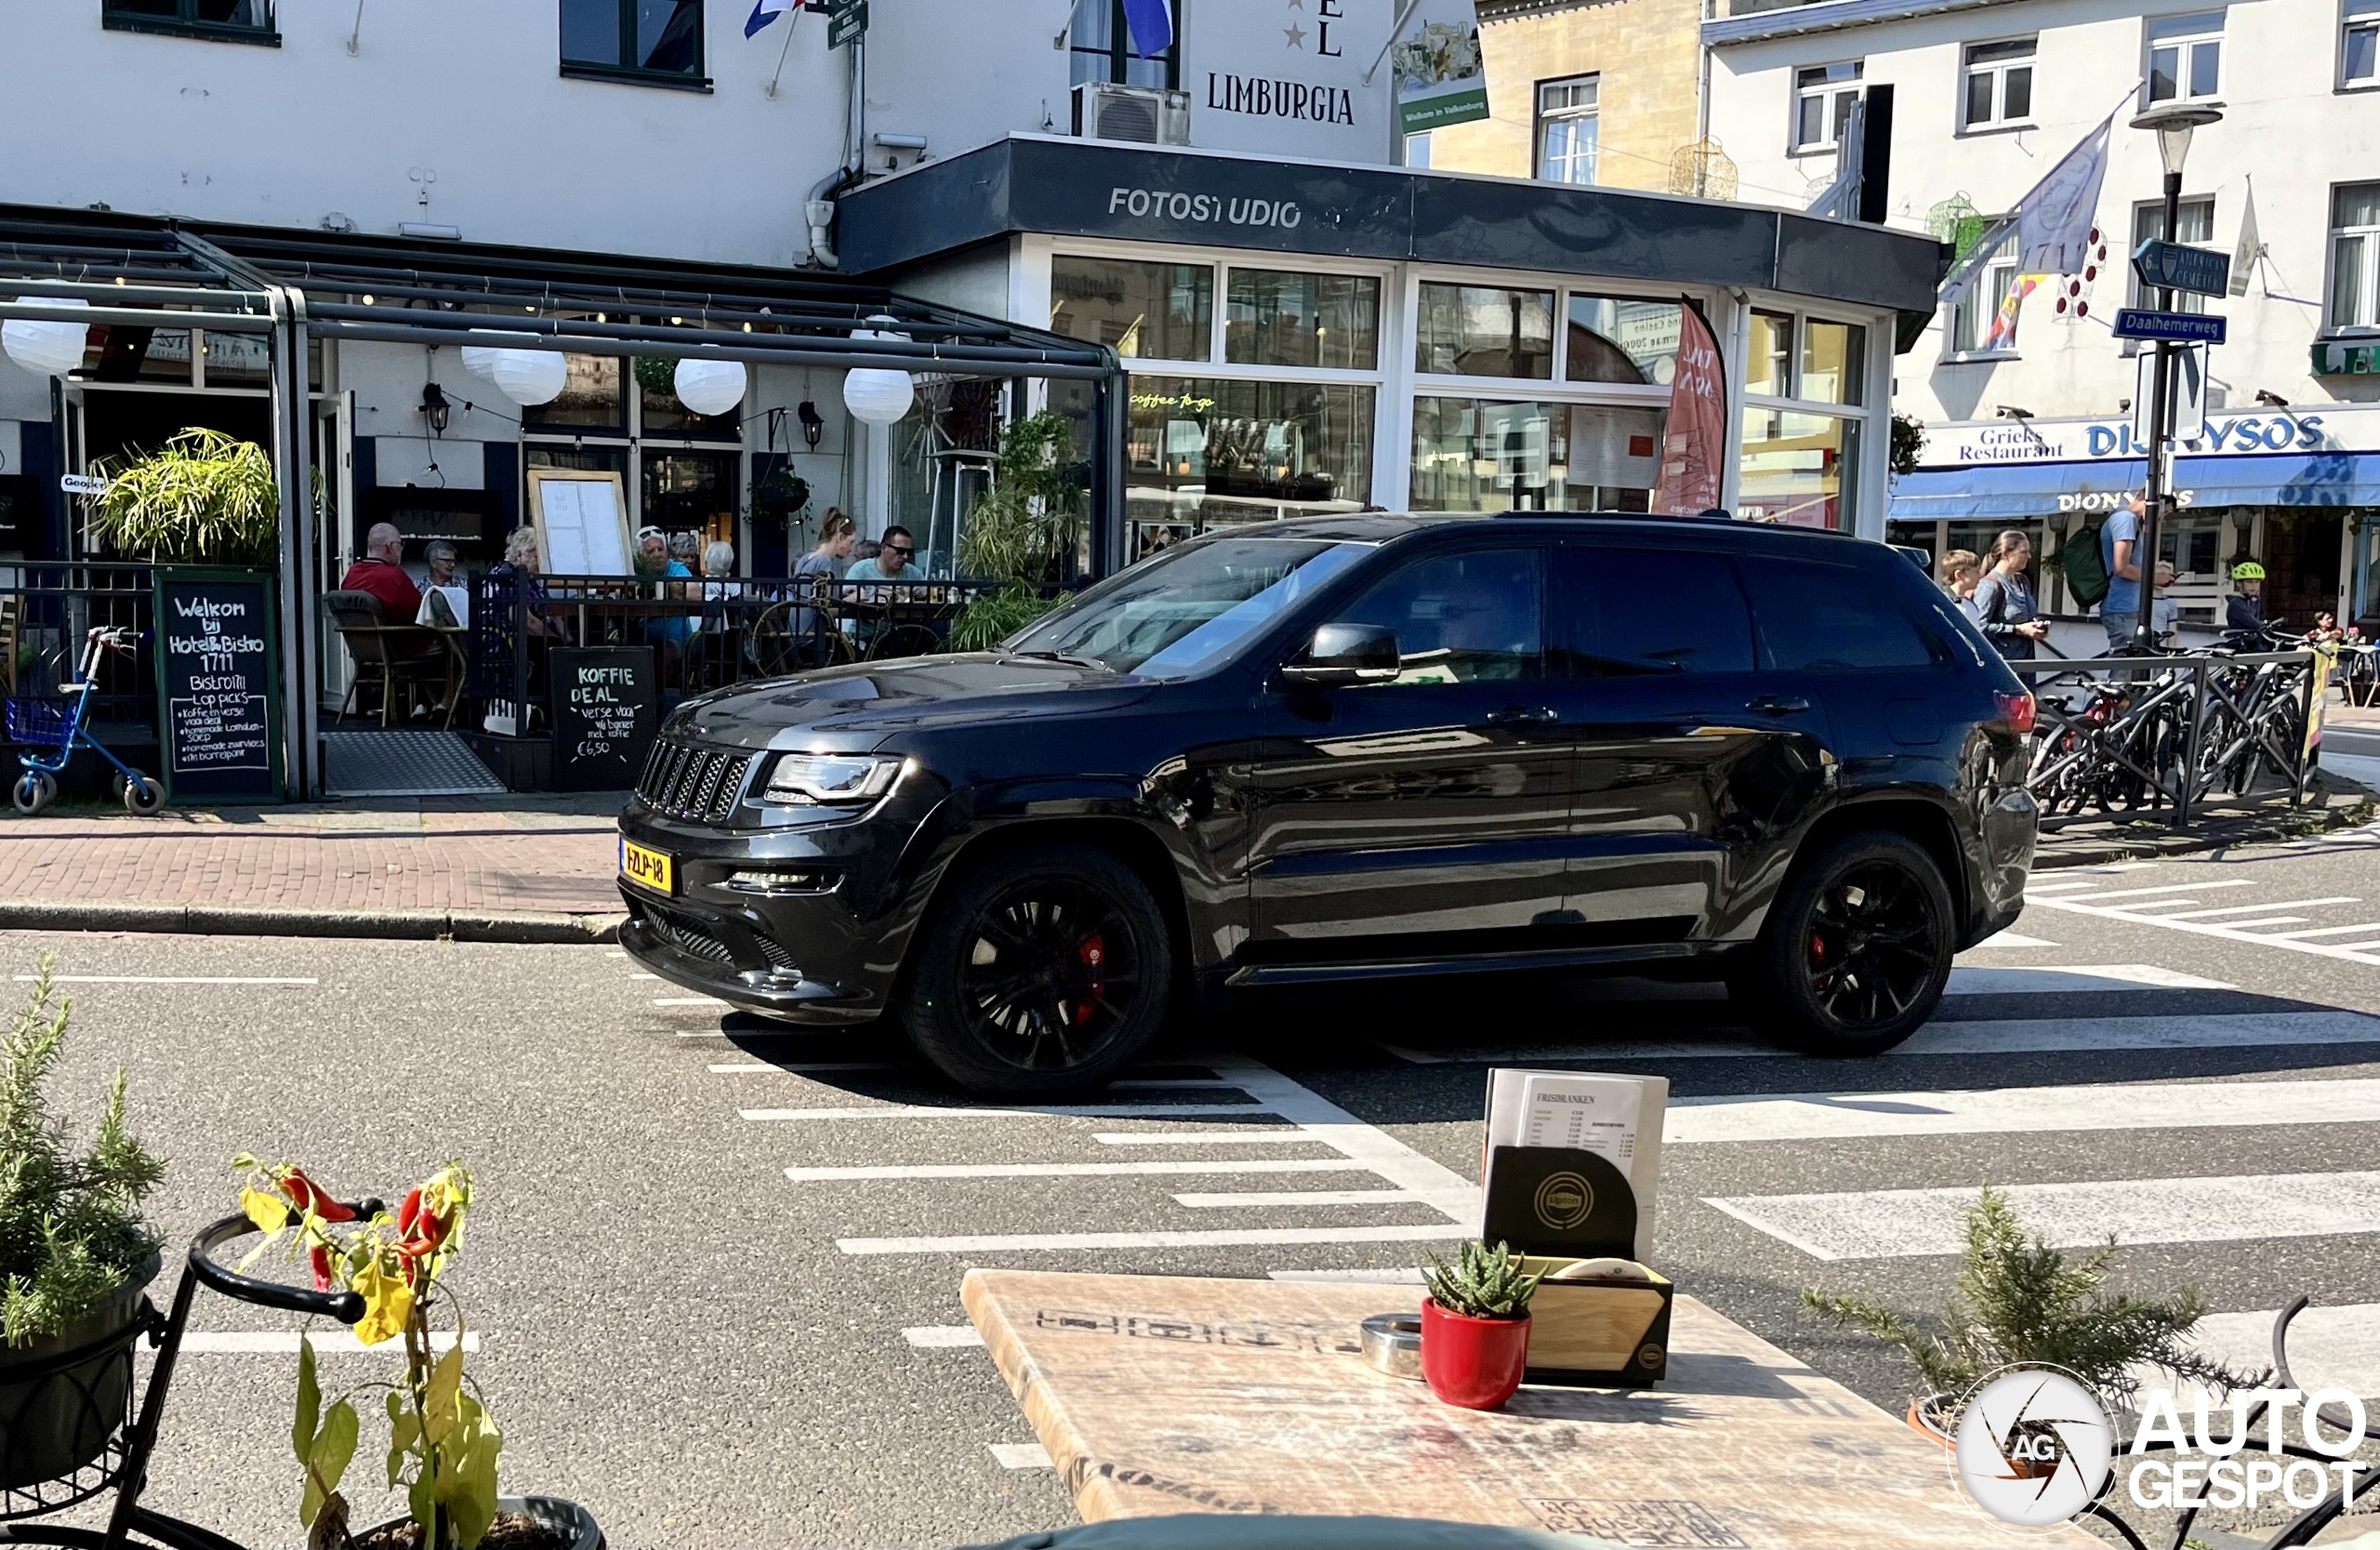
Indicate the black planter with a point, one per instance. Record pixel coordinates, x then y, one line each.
563 1516
64 1396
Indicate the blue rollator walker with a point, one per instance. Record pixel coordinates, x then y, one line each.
51 730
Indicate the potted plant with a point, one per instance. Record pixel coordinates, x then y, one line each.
1475 1325
74 1254
202 497
2021 1303
442 1442
1023 534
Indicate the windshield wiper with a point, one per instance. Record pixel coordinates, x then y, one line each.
1065 656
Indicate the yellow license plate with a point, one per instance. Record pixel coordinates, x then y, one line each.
645 869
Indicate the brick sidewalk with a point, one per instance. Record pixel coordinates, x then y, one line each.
557 856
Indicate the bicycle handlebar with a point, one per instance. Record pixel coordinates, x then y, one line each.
345 1306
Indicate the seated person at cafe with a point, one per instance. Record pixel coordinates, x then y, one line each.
519 568
381 572
443 603
889 563
669 631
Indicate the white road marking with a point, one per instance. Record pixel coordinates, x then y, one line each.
993 1244
926 1112
1899 1224
167 979
2051 979
2019 1110
2252 908
1069 1170
2328 1347
1278 1136
2104 895
1437 1185
2014 939
1259 1200
1021 1455
1356 1278
759 1068
614 952
328 1343
688 1001
2267 921
2352 952
644 977
936 1337
2331 931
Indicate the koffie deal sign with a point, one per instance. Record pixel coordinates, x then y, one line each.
218 684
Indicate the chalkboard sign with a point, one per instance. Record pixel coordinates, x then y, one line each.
218 684
607 704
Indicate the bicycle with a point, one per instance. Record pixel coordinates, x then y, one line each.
52 731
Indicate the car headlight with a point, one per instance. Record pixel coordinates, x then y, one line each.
831 780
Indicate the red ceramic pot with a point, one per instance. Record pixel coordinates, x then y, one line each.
1476 1363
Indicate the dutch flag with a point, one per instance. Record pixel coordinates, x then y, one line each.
1152 25
766 11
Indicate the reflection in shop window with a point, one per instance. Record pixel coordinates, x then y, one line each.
1799 469
1618 339
1471 455
1484 331
1833 364
1769 364
662 415
691 492
240 360
1203 453
591 397
1278 318
1146 311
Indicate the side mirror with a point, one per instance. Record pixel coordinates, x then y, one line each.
1345 654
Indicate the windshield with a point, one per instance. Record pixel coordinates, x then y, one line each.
1185 611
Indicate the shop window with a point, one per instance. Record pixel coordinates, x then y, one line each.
1145 311
1822 99
1476 455
1768 367
239 361
1833 363
661 413
1998 84
1103 48
2359 44
1978 308
1417 149
1566 126
691 492
2194 222
2355 255
1615 339
583 459
223 20
648 42
1484 331
1205 452
2185 57
1279 318
1801 470
593 399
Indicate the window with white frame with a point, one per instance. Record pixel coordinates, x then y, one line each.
2193 222
2185 57
1805 421
2355 255
2359 44
1822 99
1567 129
1998 86
1978 308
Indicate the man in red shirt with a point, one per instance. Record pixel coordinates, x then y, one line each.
381 572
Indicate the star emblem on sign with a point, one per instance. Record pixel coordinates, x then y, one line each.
1296 36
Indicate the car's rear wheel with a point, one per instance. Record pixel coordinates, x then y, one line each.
1856 949
1040 973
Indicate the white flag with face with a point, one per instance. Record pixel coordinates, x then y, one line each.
2251 245
2054 221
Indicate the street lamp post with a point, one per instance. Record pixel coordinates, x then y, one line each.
2173 127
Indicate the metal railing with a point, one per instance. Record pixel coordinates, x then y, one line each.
45 611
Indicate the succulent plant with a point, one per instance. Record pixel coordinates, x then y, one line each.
1482 1283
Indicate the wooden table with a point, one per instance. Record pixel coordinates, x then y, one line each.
1166 1394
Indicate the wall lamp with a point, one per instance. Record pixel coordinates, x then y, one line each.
813 425
434 407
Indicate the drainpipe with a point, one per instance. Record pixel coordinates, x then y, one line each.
819 208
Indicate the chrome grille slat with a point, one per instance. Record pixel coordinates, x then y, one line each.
684 780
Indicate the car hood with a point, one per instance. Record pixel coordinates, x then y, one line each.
855 705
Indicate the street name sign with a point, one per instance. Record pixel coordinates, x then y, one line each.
845 20
2134 322
2201 271
82 484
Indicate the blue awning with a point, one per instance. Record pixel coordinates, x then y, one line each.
2016 492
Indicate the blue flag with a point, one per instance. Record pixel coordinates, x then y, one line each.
1152 25
766 11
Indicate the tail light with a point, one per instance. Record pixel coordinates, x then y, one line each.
2017 710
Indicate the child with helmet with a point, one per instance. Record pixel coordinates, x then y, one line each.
2244 611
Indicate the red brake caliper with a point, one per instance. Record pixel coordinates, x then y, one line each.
1817 949
1094 955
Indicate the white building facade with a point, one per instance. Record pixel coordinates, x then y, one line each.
2032 425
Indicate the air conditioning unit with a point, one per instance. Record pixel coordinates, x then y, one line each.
1144 115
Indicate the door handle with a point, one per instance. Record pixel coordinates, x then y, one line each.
1777 705
1521 715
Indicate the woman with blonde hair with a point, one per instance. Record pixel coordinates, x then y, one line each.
824 564
2003 600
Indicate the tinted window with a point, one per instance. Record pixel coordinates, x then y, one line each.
1651 611
1462 618
1827 617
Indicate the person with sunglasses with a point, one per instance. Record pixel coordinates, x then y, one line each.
889 563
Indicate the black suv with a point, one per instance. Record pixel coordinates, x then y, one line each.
1353 747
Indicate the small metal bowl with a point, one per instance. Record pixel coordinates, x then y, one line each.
1392 1344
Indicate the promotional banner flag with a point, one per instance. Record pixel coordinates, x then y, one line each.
2251 245
1694 444
1440 77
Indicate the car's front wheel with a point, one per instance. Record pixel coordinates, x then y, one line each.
1856 949
1040 973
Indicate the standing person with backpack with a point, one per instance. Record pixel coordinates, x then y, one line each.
2119 553
2004 605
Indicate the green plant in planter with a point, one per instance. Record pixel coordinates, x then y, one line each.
1482 1283
2021 1303
71 1234
1022 532
203 496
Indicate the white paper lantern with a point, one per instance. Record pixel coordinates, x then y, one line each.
878 396
530 377
44 347
480 361
710 387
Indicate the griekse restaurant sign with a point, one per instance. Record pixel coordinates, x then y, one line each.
2114 441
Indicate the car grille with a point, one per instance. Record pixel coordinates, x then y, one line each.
685 781
689 937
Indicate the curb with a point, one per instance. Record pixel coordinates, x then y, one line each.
2296 825
527 927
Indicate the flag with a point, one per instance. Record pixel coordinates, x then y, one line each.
2250 247
1694 444
766 11
1152 25
2052 224
2003 335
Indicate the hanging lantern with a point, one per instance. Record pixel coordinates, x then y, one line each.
530 377
873 394
710 386
480 361
44 347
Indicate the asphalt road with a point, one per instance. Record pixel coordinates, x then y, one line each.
709 1350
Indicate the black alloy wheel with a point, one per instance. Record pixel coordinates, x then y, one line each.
1857 947
1040 973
